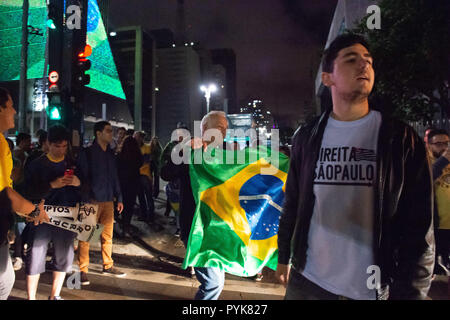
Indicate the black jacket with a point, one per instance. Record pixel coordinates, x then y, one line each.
172 172
403 224
98 174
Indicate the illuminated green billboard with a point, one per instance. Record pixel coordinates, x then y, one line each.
104 76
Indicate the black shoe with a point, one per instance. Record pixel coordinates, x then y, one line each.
114 272
84 279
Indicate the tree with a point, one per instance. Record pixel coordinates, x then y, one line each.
411 58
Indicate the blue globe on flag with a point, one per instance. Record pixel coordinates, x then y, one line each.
262 199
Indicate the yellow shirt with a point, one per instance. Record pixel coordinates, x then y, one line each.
442 193
6 163
145 169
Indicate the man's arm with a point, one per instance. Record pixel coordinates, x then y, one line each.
414 225
288 214
22 206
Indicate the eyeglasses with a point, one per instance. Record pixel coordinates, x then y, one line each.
441 144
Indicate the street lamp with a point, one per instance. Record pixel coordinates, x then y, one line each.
208 90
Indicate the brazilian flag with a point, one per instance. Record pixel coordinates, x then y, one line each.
238 208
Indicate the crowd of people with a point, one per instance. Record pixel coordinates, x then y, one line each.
111 172
359 194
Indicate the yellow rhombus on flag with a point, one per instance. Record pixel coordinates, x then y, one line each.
238 207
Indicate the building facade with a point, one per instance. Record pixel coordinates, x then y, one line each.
178 97
134 52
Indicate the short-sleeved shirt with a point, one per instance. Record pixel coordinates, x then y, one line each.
340 238
6 163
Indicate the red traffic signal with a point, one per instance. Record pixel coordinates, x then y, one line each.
86 53
81 66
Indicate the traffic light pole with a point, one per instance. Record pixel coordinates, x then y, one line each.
23 69
65 44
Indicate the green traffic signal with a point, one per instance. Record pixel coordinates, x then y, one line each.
55 114
51 24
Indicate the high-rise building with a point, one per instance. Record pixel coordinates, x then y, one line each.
263 120
135 55
104 93
227 59
217 76
178 97
164 38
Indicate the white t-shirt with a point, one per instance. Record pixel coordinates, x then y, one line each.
341 234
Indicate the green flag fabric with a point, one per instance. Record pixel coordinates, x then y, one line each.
238 208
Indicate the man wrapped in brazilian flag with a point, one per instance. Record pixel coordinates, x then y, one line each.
230 205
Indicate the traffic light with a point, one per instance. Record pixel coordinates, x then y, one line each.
53 16
55 110
82 65
55 113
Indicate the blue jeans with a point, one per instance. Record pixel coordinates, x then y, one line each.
211 281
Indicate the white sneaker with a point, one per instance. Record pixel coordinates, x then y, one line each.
17 263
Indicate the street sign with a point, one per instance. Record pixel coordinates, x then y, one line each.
53 77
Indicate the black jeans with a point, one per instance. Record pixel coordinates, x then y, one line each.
129 192
300 288
146 202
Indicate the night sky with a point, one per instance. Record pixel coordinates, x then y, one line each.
277 42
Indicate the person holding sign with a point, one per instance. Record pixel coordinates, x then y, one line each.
101 186
51 177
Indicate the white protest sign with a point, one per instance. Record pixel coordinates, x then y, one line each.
81 219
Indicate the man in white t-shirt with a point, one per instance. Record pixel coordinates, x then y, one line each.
357 218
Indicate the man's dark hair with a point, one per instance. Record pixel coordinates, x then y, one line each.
4 97
122 128
341 42
129 132
436 132
58 133
21 137
99 126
